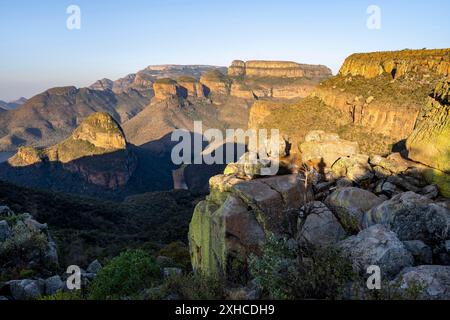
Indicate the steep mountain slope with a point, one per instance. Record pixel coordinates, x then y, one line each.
50 116
145 78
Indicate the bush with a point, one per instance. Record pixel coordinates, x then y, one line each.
126 275
192 286
300 273
179 253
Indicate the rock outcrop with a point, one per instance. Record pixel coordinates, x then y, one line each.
25 244
236 217
165 89
429 143
278 69
326 148
377 246
98 135
397 63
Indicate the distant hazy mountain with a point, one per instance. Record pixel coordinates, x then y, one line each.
12 104
51 116
144 79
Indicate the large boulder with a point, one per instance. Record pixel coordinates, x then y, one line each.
355 167
350 204
434 281
5 230
317 226
235 219
326 148
412 217
26 289
376 246
53 285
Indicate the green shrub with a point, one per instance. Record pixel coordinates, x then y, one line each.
300 273
179 253
126 275
192 286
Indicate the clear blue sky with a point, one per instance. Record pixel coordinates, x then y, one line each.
118 37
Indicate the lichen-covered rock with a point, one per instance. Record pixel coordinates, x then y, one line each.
376 246
327 148
355 167
28 245
429 142
394 163
317 226
350 204
412 217
53 285
420 251
26 289
434 281
236 217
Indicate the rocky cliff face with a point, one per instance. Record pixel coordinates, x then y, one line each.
377 109
235 219
430 141
277 69
97 136
398 63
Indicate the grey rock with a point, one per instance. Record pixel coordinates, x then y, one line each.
53 285
344 183
320 228
387 188
26 289
94 267
34 225
420 251
349 205
5 211
169 272
434 279
376 246
431 191
5 230
403 183
412 217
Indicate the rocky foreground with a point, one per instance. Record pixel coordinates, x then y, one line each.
374 210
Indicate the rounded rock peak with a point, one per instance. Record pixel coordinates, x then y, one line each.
101 130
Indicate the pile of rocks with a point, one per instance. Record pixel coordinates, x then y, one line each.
375 210
27 245
380 211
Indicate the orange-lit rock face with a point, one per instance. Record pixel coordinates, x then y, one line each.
190 87
388 119
398 63
285 69
165 89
